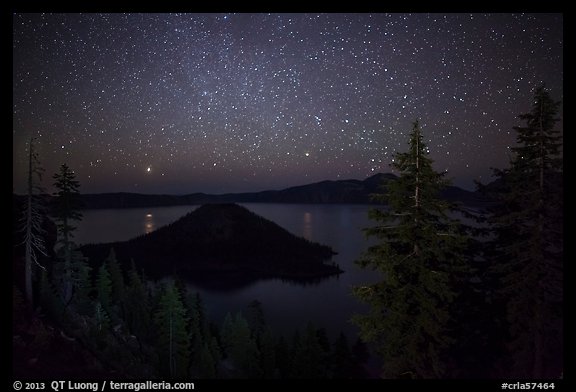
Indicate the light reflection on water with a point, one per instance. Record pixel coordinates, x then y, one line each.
148 223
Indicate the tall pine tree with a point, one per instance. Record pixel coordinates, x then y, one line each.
136 305
104 288
66 210
420 257
527 248
173 338
116 275
32 220
240 347
81 283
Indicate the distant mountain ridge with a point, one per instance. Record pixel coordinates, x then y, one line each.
324 192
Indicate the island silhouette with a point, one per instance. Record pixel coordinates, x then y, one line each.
221 242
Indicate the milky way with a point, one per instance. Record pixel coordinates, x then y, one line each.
180 103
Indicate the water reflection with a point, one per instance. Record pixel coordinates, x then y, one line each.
148 223
307 226
233 282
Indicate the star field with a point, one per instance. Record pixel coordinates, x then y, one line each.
182 103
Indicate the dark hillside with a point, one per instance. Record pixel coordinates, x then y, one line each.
221 238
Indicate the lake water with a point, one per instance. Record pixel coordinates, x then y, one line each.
287 306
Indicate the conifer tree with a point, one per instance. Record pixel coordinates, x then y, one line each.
324 341
198 321
267 351
420 258
73 279
173 339
32 220
116 277
300 352
67 204
104 287
282 355
309 359
81 283
215 350
240 347
227 332
49 300
295 356
255 318
137 306
207 363
200 336
342 359
101 320
527 248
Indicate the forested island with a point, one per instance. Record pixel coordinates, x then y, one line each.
221 240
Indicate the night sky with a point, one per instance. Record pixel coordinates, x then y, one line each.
182 103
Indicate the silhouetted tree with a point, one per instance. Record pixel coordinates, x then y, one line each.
206 362
528 243
66 210
49 299
116 276
267 351
323 341
308 358
215 350
255 318
360 351
81 283
198 321
240 347
283 357
173 338
104 287
101 320
137 306
342 359
200 335
32 220
420 257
